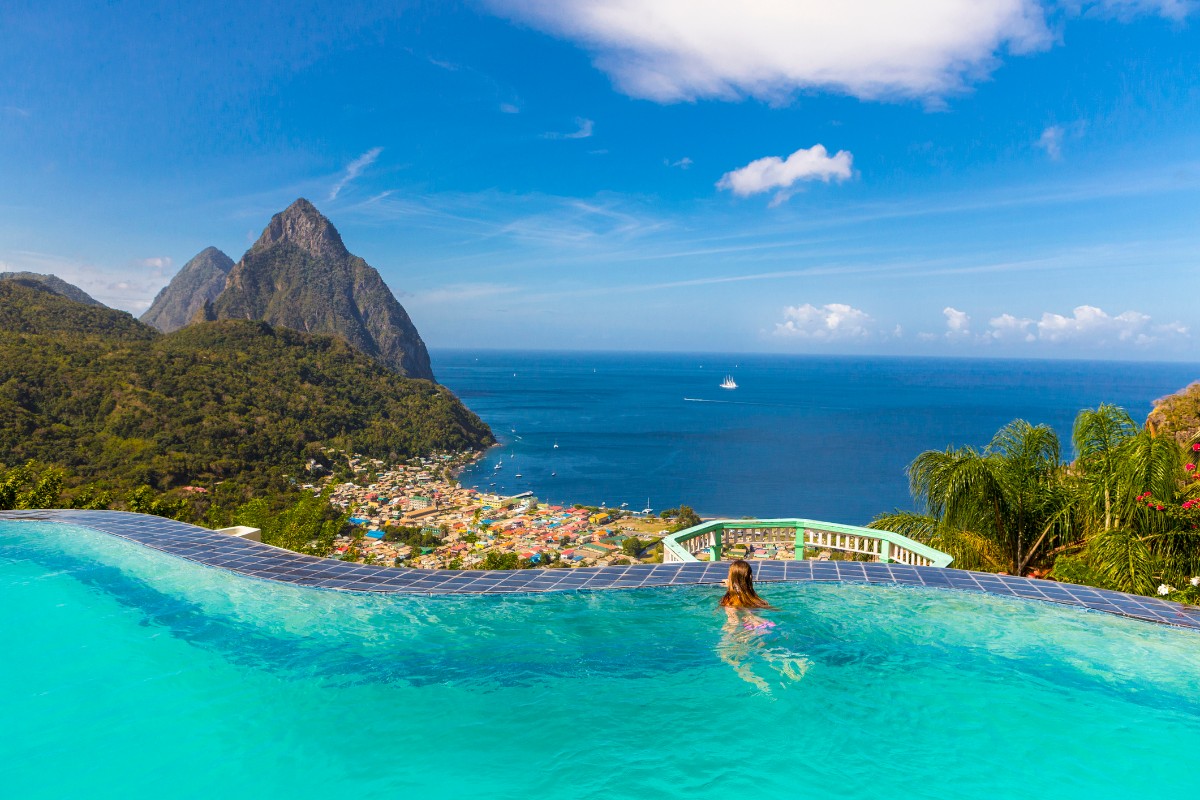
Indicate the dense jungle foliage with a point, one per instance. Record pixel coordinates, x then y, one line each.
120 406
1124 514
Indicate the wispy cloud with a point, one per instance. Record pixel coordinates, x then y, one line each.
1051 141
1177 10
509 108
682 163
584 132
158 262
15 111
461 292
772 172
354 169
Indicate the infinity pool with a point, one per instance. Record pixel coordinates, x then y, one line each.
128 673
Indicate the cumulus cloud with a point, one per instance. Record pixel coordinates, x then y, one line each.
831 322
158 262
678 50
773 172
584 131
1007 327
1051 142
1086 325
1089 321
958 324
354 169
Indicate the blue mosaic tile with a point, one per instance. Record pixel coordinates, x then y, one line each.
264 562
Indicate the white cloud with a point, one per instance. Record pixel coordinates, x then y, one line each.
1007 327
584 132
673 50
1051 142
1087 325
1092 323
958 324
772 172
354 169
834 321
682 163
159 262
509 108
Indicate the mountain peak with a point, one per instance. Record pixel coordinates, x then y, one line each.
302 225
299 275
199 282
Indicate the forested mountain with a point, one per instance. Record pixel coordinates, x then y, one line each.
299 275
117 403
199 282
54 284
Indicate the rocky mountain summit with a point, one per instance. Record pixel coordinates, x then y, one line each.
54 284
199 282
299 275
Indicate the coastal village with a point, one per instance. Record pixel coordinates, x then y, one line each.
416 514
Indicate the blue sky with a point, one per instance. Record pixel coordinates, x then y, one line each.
955 177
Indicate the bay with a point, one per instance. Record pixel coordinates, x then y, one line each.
817 437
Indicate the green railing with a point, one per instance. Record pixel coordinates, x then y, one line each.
802 536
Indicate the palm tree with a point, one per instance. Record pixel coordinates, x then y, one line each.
1124 478
1117 462
992 508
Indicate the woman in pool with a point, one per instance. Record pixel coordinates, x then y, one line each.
739 588
743 630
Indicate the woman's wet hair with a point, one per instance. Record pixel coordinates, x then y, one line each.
740 593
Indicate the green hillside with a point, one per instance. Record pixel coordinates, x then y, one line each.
118 404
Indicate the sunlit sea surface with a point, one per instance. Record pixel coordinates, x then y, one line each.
130 674
802 436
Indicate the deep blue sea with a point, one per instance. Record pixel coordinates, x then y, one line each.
802 436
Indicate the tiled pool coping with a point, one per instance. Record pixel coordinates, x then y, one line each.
257 560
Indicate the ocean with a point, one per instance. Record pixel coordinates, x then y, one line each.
802 436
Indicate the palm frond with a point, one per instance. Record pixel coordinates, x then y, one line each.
1124 560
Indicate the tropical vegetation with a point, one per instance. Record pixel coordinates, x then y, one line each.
117 404
1123 514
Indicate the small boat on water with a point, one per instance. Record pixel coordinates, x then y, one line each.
729 383
518 474
555 445
499 464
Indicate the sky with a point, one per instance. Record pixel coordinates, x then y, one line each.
991 178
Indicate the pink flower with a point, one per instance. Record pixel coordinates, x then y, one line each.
1196 447
1159 508
1189 467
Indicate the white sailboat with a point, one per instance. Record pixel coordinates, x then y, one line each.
729 383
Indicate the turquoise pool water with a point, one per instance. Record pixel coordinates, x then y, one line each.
131 674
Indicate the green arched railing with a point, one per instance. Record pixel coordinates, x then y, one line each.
803 537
